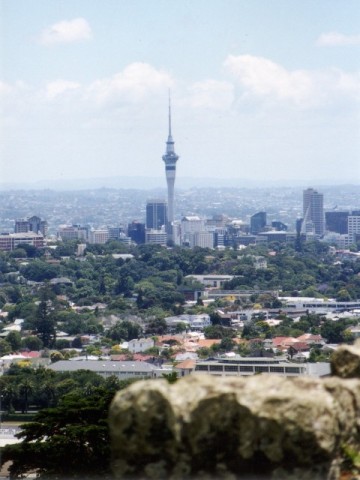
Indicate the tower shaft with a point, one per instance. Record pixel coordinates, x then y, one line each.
170 158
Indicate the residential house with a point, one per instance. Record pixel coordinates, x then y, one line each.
140 345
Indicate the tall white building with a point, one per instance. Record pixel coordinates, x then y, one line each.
313 212
73 232
202 239
99 236
159 237
353 228
191 224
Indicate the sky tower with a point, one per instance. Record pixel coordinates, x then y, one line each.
170 158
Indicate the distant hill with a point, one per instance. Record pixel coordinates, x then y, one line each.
148 183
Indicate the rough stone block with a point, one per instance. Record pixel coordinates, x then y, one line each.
263 426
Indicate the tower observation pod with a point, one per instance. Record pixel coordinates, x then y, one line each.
170 158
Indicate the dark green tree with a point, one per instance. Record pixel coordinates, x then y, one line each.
26 389
14 339
170 377
124 330
217 331
45 324
69 441
32 343
5 347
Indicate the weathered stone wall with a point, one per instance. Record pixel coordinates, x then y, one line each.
236 428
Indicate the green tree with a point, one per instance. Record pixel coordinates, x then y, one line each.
217 331
5 347
124 330
156 326
334 331
180 327
56 356
9 394
125 286
45 324
226 344
39 271
32 343
170 377
31 251
26 388
69 441
62 343
14 339
48 392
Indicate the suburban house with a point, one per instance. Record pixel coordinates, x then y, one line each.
140 345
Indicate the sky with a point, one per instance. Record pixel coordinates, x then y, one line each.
261 90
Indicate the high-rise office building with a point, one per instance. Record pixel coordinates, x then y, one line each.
313 212
32 224
279 226
337 222
136 231
156 214
170 158
353 228
257 223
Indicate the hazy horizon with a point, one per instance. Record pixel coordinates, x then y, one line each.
159 183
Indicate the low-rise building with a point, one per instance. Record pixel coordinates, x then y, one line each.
107 368
211 280
240 366
11 241
318 305
193 322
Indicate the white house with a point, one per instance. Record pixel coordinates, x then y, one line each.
140 345
194 322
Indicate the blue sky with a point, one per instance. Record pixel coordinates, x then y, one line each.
261 89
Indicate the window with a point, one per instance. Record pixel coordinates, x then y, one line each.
259 368
231 368
216 368
277 369
246 368
292 370
201 367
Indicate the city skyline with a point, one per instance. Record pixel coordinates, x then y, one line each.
263 91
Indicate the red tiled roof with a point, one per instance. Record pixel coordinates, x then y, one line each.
208 342
31 354
186 365
119 358
300 346
309 337
283 341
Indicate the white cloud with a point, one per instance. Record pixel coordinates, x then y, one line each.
266 78
135 83
213 94
60 87
304 88
5 88
66 31
334 39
